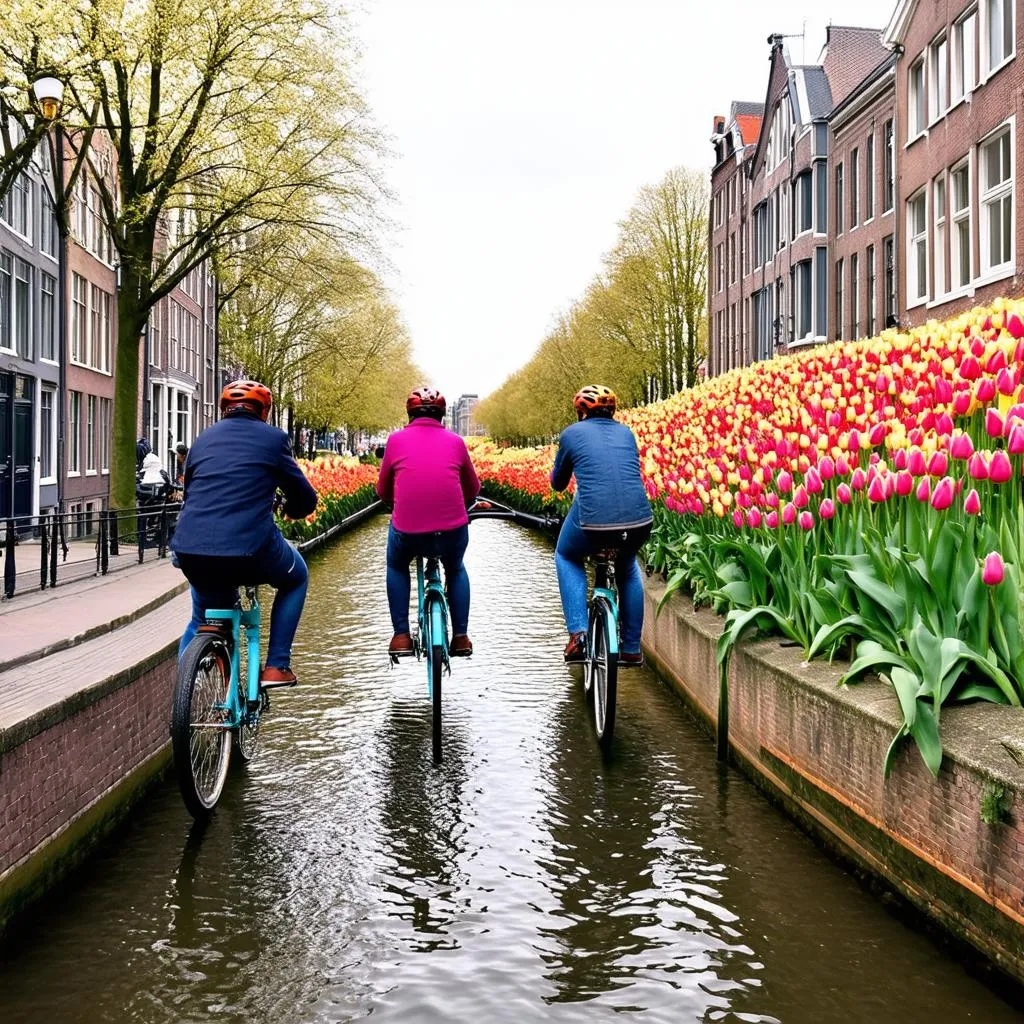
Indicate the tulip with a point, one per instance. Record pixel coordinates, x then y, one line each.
993 571
943 390
916 463
942 497
996 361
904 483
858 479
800 498
772 520
986 389
1015 327
938 464
899 460
737 518
876 490
972 503
784 482
843 494
999 469
853 442
813 482
827 467
877 434
789 513
1005 383
754 517
806 520
978 344
924 489
881 383
1015 444
977 466
962 403
993 423
944 424
961 447
970 368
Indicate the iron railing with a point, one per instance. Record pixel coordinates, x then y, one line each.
100 541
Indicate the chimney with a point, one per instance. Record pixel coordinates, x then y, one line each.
719 124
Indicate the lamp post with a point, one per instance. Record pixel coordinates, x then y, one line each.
49 96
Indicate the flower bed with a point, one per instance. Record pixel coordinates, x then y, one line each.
860 499
343 487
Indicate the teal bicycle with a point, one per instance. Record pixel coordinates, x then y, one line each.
601 668
218 702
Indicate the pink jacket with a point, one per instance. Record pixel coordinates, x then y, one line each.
429 477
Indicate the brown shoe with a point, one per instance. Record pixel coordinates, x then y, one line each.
575 652
462 646
272 678
631 660
401 643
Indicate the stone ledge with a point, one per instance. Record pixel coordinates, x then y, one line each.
818 750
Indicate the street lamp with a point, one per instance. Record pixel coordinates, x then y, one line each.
49 95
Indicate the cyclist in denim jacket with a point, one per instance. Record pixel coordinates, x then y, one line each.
226 535
610 511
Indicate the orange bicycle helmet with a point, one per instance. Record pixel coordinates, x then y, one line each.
247 394
426 400
592 398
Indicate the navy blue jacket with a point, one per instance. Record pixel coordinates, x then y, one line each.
231 474
601 453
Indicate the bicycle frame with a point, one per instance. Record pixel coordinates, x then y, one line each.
604 587
248 619
433 601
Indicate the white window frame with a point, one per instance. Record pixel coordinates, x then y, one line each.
957 217
988 195
938 78
916 295
51 441
854 296
854 188
55 318
74 447
915 128
91 423
963 55
106 427
870 174
986 19
939 221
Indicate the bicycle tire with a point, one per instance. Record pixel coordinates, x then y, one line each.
247 736
437 667
603 666
201 764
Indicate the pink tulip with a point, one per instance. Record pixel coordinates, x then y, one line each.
877 435
789 513
961 447
827 509
1018 352
754 517
800 498
943 391
858 479
977 466
842 466
806 520
993 423
978 344
904 483
996 361
944 424
1005 384
972 503
999 469
1015 444
812 481
772 500
899 460
970 368
843 494
827 467
924 489
961 403
876 490
1015 326
942 497
938 464
737 518
985 389
784 482
881 383
916 463
993 571
772 520
853 442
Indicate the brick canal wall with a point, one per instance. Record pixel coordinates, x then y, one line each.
819 750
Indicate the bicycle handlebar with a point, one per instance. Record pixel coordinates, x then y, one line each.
488 509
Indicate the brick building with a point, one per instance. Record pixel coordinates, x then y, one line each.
958 98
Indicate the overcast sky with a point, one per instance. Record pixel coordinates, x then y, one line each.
521 131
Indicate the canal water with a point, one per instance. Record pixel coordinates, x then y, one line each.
345 877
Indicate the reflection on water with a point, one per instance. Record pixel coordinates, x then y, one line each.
345 876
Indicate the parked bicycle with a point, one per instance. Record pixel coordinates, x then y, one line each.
218 702
431 639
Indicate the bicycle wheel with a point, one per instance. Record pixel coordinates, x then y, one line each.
200 740
603 669
434 650
247 736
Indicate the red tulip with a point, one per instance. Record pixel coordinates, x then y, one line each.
961 447
1015 444
789 513
881 383
843 494
942 497
996 361
938 464
993 571
904 483
999 469
972 503
970 368
977 466
924 489
978 344
877 435
993 423
1015 327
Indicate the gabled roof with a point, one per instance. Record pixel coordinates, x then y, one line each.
819 93
850 54
896 30
749 126
741 108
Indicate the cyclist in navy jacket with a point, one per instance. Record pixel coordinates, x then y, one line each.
610 510
226 536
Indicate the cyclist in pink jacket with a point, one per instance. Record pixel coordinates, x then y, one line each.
428 477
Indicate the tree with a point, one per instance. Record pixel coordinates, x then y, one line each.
225 116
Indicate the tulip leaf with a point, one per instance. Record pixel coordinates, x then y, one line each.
978 691
883 596
907 686
830 634
675 581
737 593
873 661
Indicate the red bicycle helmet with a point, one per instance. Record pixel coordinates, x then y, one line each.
425 399
593 397
249 394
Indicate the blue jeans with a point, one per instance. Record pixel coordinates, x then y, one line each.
279 565
448 545
570 563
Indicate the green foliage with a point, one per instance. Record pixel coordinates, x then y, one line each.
995 804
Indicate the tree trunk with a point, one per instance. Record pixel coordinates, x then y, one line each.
130 322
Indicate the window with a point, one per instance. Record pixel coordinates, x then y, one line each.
106 332
960 201
854 297
6 341
939 239
156 319
854 188
47 435
75 432
999 15
869 259
962 71
938 96
890 165
869 178
821 199
47 225
732 280
155 408
22 318
802 203
917 249
15 207
839 199
105 428
79 319
802 299
778 137
889 256
996 203
48 317
80 221
916 116
90 435
718 267
182 433
839 298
